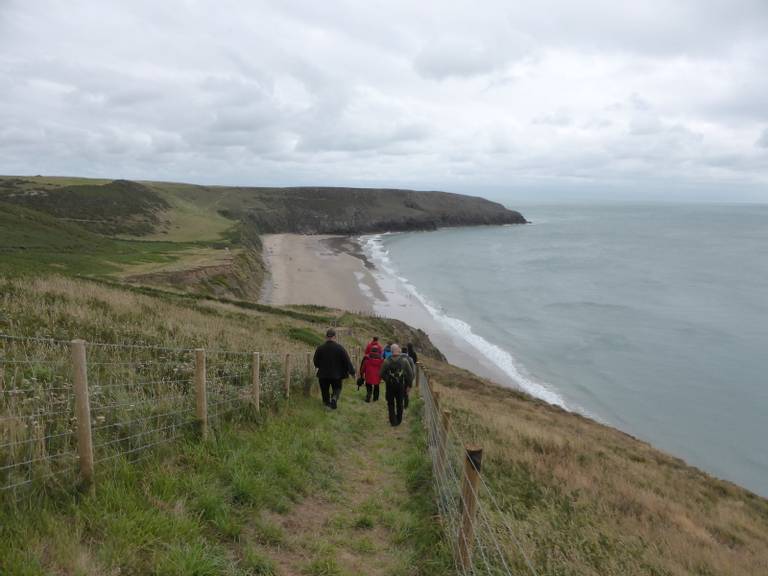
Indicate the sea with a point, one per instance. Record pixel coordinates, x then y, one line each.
652 318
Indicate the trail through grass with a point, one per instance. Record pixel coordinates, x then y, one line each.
306 492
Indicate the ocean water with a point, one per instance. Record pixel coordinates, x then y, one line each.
650 318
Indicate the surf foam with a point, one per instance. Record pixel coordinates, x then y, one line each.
374 247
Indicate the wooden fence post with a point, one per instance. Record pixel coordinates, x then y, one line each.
256 381
308 377
82 411
287 376
201 399
472 465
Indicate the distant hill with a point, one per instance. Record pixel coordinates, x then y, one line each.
203 239
117 207
152 208
313 210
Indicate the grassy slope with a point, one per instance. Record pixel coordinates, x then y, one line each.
230 505
31 241
261 497
583 498
113 208
588 499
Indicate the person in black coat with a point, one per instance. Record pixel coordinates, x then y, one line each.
333 365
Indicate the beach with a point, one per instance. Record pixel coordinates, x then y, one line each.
336 271
321 270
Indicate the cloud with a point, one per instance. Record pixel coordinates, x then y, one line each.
762 141
426 95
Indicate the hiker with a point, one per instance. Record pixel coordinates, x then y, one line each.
374 340
409 353
397 375
387 350
333 365
370 368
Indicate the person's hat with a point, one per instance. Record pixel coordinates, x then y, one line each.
330 333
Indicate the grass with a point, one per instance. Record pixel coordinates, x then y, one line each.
182 511
117 207
188 221
33 243
306 335
584 498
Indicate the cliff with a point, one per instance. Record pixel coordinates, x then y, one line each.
359 210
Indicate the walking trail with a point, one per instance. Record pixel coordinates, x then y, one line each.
358 522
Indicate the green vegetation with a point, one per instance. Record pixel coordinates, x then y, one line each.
584 498
118 207
201 239
33 242
307 336
302 490
185 511
258 497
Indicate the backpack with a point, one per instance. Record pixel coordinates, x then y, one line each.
398 373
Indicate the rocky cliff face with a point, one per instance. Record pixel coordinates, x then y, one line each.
356 211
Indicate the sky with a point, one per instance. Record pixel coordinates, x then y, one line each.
526 101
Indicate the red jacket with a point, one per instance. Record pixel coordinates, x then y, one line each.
369 368
370 345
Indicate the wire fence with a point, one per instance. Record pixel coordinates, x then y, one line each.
476 527
137 397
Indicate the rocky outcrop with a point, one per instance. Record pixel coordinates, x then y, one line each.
359 210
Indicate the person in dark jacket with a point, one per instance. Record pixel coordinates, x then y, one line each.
398 375
410 353
333 365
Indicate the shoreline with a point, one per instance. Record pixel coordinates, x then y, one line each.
321 270
335 271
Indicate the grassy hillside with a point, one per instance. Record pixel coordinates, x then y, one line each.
31 241
259 497
198 238
117 207
583 498
178 211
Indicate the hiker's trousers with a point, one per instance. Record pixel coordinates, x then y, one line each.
371 390
326 385
395 394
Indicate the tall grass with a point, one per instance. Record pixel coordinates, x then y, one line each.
185 510
584 498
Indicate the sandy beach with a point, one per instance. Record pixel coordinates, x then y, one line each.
334 271
322 270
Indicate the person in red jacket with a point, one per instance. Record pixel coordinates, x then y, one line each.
374 342
369 369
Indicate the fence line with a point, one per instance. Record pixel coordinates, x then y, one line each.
476 528
67 407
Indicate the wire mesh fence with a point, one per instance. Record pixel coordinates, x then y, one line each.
138 397
476 527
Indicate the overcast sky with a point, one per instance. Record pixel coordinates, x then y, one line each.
521 100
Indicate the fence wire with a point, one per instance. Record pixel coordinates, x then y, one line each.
490 546
140 397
